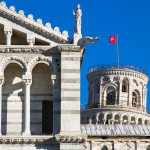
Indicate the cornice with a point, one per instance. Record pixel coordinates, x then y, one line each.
42 139
39 49
117 72
30 23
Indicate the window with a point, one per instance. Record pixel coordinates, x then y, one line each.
125 85
111 97
134 99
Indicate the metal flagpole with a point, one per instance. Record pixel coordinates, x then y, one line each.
117 50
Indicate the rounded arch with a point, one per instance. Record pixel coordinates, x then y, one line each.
140 120
125 119
148 147
125 85
104 147
133 120
136 98
117 119
40 59
13 59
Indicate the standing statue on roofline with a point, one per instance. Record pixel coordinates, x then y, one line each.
78 21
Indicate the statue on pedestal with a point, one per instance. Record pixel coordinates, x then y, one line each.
78 21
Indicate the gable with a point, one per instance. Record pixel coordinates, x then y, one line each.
24 28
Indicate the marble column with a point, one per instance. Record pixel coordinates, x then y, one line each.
1 83
27 83
8 34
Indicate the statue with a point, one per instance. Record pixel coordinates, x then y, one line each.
78 22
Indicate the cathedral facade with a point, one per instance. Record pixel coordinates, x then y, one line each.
40 91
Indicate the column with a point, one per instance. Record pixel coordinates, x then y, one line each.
130 96
1 83
100 95
30 40
27 83
119 94
8 34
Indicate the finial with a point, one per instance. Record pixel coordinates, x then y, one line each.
31 17
12 8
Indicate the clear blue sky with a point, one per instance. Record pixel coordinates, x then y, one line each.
102 18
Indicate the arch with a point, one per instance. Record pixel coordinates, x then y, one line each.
110 96
125 119
108 118
93 119
12 100
13 59
104 79
40 59
146 121
148 147
133 120
117 119
125 85
104 147
101 118
139 120
136 98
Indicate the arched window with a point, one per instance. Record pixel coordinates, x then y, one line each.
134 99
125 85
111 96
104 148
148 147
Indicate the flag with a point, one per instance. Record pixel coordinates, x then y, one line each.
113 39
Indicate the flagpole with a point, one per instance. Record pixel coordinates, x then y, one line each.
117 51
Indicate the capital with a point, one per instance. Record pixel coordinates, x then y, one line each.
8 31
1 80
30 40
27 79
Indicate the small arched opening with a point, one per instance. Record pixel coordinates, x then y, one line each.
111 96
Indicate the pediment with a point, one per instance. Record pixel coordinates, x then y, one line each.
25 28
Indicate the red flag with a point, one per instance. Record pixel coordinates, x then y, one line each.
113 39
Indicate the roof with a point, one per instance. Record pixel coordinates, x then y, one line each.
29 21
115 130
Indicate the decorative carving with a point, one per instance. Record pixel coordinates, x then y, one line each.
36 59
48 25
87 40
27 22
3 4
70 139
18 59
31 17
78 21
39 21
57 29
12 8
27 81
69 48
65 33
21 13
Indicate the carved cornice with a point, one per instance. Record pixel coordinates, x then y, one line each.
68 48
39 49
42 139
70 139
29 22
118 72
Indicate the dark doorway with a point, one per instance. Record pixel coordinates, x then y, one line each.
47 117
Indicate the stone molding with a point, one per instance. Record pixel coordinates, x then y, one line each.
29 22
70 139
38 49
42 139
118 72
68 48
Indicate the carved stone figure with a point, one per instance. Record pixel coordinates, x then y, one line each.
87 40
78 21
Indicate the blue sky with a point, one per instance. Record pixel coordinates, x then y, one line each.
102 18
